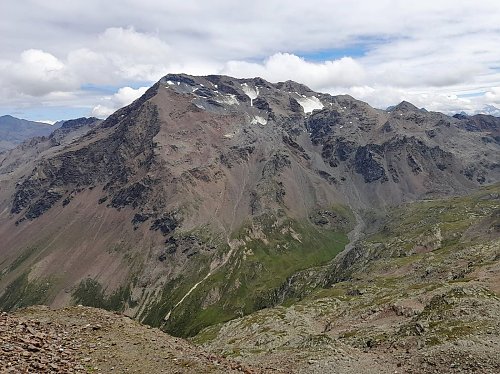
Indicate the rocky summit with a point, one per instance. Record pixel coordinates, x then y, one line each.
269 223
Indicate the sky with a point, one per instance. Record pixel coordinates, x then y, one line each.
66 59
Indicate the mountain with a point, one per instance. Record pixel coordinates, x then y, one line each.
13 131
420 296
209 198
489 110
34 148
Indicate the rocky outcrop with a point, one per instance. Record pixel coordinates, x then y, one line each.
366 164
112 161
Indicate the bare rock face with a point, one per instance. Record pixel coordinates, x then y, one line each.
207 185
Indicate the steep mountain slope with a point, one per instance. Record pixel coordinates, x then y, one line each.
14 131
195 203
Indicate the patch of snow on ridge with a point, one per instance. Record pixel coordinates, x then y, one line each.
310 103
250 92
259 120
229 99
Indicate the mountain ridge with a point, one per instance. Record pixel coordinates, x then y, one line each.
14 131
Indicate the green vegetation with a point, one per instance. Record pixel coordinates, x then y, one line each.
91 293
420 268
269 251
23 257
22 293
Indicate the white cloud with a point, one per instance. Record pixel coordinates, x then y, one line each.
285 66
91 66
36 73
123 97
134 55
122 54
101 111
47 121
493 95
385 96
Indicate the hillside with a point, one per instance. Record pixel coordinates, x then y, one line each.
202 200
420 294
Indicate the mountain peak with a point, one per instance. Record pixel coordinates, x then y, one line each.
403 106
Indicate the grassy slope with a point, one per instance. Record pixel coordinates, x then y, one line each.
260 264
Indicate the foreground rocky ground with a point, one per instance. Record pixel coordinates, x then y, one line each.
89 340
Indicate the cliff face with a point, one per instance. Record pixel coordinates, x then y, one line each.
193 204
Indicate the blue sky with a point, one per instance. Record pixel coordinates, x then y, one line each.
356 51
442 55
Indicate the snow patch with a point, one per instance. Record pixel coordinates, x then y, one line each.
170 83
229 99
250 92
258 120
310 103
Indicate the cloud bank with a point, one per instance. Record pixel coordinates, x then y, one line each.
441 55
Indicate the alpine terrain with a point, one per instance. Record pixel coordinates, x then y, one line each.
285 229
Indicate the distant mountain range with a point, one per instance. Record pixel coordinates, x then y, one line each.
489 110
14 131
